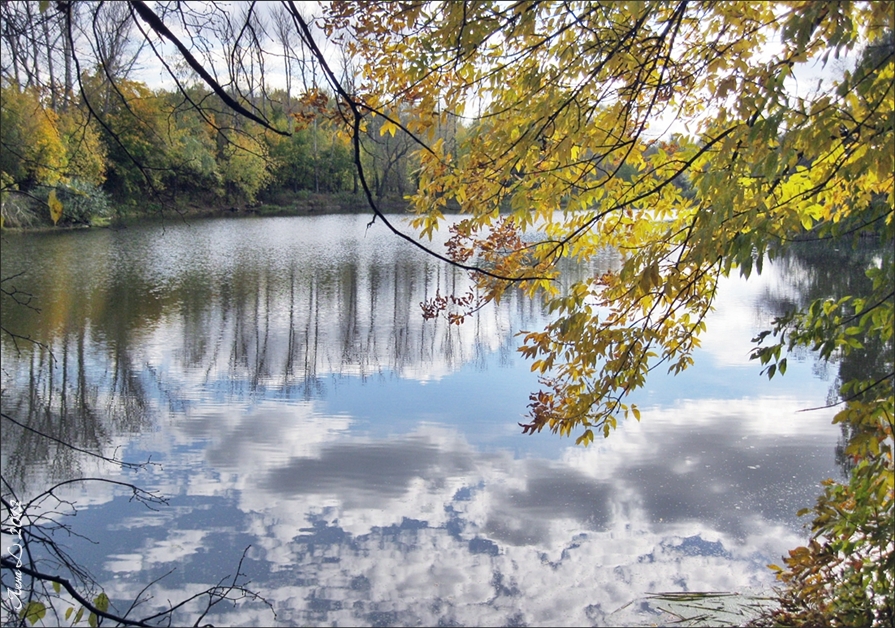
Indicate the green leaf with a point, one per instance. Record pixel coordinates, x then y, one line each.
91 620
57 587
69 611
102 602
79 614
33 612
746 267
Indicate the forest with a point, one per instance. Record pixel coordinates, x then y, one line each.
103 142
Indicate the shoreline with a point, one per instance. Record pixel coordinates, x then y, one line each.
300 205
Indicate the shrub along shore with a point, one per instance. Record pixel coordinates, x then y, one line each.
299 205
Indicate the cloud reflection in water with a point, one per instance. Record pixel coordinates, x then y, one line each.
424 528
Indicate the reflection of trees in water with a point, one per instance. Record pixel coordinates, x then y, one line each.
57 391
129 338
833 269
259 329
288 331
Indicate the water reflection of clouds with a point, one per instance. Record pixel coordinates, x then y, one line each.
738 316
178 545
423 528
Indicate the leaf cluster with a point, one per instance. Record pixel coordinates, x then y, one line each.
559 151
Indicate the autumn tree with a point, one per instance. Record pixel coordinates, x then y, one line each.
32 152
569 109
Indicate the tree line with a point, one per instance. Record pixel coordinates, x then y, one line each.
148 143
77 126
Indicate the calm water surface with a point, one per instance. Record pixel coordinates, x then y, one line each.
280 373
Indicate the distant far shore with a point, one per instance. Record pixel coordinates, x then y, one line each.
299 204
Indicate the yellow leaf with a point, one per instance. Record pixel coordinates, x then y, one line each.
388 127
55 207
807 223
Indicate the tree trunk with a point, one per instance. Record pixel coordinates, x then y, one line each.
54 104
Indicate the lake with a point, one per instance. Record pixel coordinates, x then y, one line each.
279 376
